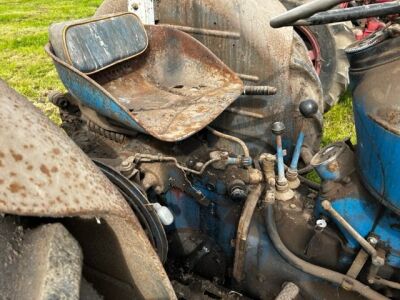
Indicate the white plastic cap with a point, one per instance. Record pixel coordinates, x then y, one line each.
165 215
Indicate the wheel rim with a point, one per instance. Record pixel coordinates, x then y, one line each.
314 50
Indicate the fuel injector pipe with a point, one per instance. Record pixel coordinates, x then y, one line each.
314 270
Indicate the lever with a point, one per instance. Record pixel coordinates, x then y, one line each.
283 191
278 128
309 109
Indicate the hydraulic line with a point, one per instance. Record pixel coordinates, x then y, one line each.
141 157
320 272
246 151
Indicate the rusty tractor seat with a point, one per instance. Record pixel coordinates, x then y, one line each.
152 79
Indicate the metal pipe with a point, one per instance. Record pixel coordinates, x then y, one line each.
297 151
204 31
140 157
353 13
246 151
388 283
319 272
242 112
303 11
248 77
243 231
279 155
376 260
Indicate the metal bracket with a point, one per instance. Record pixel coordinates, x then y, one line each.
144 9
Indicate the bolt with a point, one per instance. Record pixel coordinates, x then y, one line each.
135 6
372 240
321 223
238 193
292 205
125 163
278 128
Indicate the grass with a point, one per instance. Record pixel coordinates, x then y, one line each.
23 34
26 67
339 123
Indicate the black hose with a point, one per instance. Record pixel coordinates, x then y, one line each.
311 184
303 11
306 267
305 170
352 13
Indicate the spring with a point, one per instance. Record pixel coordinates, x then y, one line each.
111 135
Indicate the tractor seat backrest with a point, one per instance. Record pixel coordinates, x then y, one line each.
92 45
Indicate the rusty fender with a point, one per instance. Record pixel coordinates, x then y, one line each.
43 173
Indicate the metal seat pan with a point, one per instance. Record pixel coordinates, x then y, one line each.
171 91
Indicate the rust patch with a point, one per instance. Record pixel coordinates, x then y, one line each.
333 166
56 151
45 170
54 169
15 187
388 118
16 156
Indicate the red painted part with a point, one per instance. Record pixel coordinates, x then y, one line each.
313 46
371 25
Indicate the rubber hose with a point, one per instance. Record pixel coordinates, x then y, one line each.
311 184
306 267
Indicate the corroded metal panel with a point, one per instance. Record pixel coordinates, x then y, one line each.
171 91
43 173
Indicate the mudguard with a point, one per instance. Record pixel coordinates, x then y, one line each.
43 173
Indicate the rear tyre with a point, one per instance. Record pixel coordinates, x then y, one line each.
326 44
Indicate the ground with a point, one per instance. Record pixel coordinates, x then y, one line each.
26 67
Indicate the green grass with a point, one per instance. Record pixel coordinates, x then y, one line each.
339 123
26 67
23 34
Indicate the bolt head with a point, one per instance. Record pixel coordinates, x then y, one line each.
278 128
238 194
321 223
372 240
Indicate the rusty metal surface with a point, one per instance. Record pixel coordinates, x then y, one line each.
171 91
174 89
41 169
43 173
261 55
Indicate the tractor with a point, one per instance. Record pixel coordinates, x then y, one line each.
180 169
